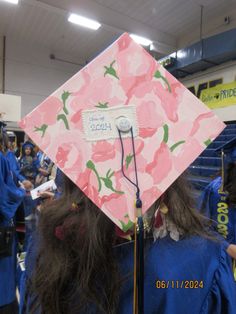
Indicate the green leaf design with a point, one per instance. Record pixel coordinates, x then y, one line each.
42 129
128 160
112 174
107 180
64 119
167 83
176 145
109 184
64 98
90 165
102 105
208 142
126 227
110 70
108 174
166 133
159 76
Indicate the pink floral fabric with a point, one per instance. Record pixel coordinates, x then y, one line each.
174 127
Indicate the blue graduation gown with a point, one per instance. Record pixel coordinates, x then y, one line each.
11 195
10 198
190 276
14 166
214 206
29 167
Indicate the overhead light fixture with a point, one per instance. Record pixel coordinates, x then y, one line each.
83 21
11 1
153 47
141 40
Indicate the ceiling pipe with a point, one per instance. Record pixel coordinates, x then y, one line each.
201 21
53 57
3 64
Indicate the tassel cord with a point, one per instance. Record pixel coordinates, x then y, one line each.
138 304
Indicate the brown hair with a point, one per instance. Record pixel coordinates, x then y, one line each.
3 141
81 265
230 184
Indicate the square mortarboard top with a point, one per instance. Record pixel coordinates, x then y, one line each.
229 149
76 127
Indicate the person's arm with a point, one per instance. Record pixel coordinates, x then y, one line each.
43 172
231 250
222 296
46 194
11 195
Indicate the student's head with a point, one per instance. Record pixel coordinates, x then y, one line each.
28 149
4 141
76 257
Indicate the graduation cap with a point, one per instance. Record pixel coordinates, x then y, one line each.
11 134
123 129
28 144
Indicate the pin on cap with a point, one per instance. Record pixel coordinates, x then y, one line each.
123 124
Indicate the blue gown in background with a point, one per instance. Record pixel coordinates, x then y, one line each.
29 167
213 205
10 198
14 166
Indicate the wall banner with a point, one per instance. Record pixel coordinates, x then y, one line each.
222 95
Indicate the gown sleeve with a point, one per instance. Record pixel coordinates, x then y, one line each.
11 195
221 298
205 201
14 166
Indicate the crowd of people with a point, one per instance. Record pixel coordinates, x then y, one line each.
18 176
77 261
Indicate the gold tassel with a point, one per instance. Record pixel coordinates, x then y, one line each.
221 189
234 269
135 297
163 208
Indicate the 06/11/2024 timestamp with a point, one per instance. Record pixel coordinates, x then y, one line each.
179 284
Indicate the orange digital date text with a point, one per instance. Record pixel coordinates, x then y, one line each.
179 284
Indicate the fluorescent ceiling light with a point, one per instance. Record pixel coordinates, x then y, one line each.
11 1
153 47
141 40
83 21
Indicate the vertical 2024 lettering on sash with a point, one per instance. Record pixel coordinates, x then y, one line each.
222 218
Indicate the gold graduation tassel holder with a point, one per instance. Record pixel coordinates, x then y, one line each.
138 300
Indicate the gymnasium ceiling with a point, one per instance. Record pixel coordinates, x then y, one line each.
171 24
